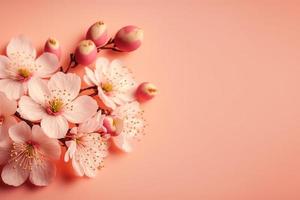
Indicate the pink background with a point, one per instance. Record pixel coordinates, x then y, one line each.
226 123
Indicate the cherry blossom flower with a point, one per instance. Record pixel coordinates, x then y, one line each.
56 102
125 125
21 65
115 82
87 148
30 155
7 109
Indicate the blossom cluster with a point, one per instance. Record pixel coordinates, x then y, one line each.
44 108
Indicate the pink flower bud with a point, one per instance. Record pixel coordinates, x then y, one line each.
98 34
86 52
52 46
145 92
112 125
129 38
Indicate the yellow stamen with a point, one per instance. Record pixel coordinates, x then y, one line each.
24 72
56 105
107 87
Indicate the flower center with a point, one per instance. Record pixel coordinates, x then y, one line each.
22 154
55 106
23 74
107 87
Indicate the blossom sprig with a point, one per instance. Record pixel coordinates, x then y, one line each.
44 109
127 39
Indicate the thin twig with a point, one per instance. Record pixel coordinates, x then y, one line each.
88 88
72 63
111 48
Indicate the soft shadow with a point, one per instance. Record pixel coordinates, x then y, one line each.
114 150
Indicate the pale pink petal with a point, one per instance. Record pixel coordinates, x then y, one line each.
127 96
5 144
54 126
93 124
66 86
4 151
105 99
129 109
117 100
30 110
42 172
87 80
13 174
7 107
81 109
74 130
20 47
46 64
91 76
38 90
12 89
77 167
71 150
8 122
47 146
20 132
122 142
4 61
102 64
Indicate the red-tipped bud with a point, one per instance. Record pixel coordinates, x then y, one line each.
129 38
98 34
145 92
52 46
86 52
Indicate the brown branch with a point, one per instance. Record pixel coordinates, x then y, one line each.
88 88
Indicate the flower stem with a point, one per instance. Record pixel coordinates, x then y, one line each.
109 45
72 63
105 47
88 88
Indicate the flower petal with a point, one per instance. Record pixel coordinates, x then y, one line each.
42 172
54 126
91 76
47 146
122 142
13 174
4 61
71 150
77 167
87 80
20 48
12 89
8 122
93 124
5 141
101 66
38 90
65 86
5 146
30 110
46 64
105 99
20 132
8 107
81 109
129 109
